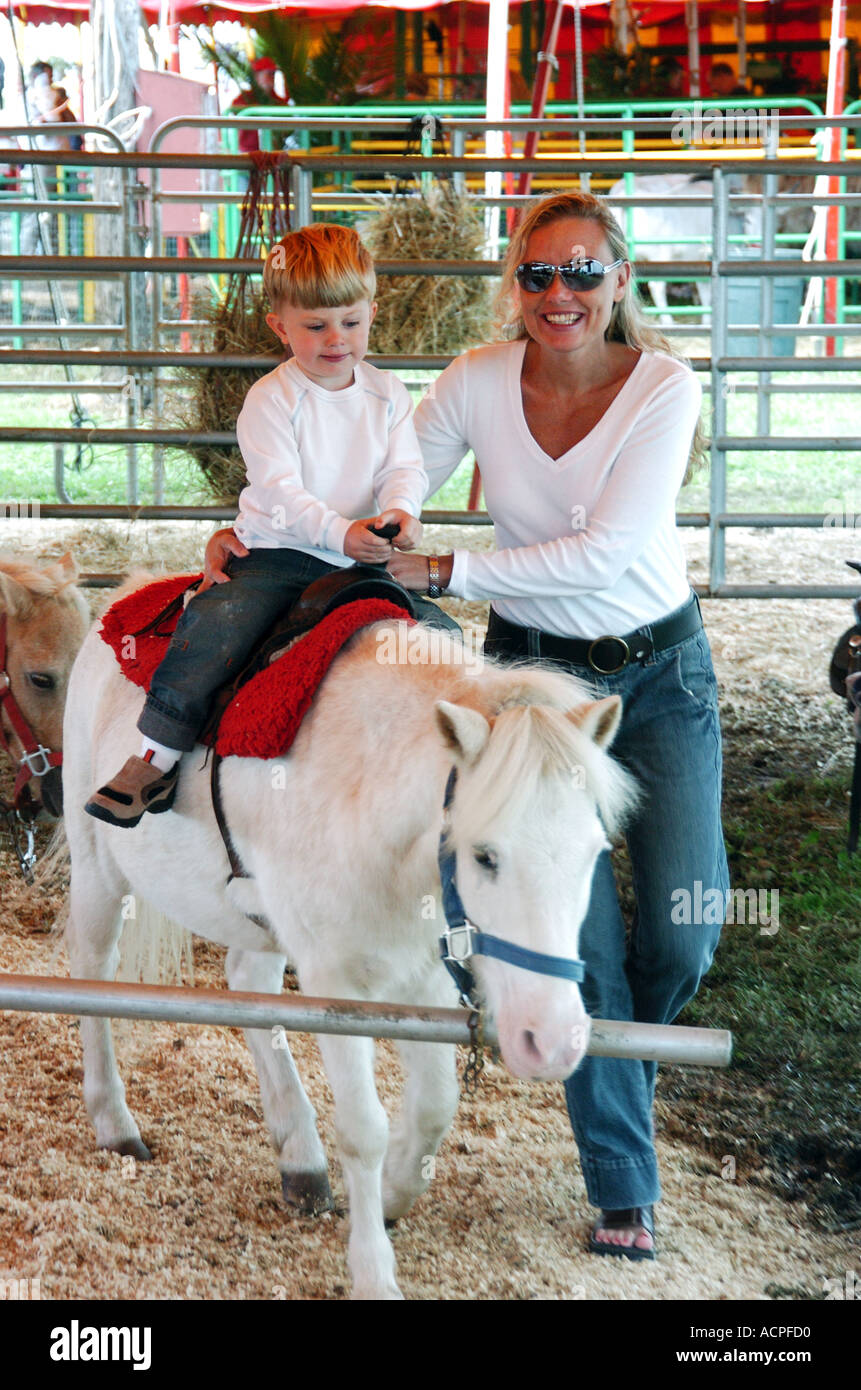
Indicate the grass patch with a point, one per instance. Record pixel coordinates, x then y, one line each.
769 481
788 1108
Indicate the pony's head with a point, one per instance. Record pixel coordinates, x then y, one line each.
537 795
46 622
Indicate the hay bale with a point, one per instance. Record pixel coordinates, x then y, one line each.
216 394
427 313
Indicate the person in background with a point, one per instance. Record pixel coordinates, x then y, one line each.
670 79
724 83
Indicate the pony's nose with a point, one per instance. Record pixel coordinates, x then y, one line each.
550 1055
51 787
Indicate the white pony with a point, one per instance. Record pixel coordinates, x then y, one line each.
655 229
341 838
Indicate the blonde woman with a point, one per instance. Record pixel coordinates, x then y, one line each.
583 423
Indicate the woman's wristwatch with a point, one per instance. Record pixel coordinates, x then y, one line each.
434 586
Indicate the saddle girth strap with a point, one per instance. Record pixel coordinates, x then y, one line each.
236 867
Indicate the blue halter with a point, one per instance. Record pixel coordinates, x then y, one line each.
461 939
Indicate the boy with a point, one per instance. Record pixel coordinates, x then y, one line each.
325 438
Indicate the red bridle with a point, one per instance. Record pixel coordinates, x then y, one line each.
35 759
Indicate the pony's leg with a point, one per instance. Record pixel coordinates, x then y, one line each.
658 291
93 933
427 1110
289 1114
704 290
362 1132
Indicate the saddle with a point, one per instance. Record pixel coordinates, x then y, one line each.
322 598
251 714
845 662
358 583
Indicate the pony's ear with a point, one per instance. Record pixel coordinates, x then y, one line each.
14 598
68 567
464 730
599 720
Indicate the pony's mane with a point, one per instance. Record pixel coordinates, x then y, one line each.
52 581
534 737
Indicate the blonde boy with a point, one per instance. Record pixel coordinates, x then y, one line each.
330 451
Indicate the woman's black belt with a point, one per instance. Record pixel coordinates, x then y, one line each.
606 655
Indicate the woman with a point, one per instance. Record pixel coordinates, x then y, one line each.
582 425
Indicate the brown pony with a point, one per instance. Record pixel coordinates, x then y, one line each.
43 621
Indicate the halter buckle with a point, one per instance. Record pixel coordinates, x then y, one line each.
41 768
5 682
458 942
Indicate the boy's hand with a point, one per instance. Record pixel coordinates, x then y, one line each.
219 548
362 545
410 533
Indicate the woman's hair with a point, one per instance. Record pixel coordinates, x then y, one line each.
628 324
321 266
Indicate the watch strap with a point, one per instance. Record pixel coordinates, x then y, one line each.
434 586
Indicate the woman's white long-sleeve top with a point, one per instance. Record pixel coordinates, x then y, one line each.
587 544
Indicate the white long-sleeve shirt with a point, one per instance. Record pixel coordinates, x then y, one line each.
587 543
318 460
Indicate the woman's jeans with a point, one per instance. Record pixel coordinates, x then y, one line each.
218 632
670 740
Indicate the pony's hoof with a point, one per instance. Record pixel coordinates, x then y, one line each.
130 1148
309 1192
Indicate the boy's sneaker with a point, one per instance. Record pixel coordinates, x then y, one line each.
137 787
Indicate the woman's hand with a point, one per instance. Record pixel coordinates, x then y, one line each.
219 548
412 571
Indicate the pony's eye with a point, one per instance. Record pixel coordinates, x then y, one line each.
486 858
41 680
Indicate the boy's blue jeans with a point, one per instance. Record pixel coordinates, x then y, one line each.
670 740
217 633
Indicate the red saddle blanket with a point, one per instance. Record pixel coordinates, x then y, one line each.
263 717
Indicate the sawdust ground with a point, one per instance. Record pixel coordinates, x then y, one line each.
507 1213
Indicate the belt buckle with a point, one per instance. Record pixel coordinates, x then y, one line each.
609 670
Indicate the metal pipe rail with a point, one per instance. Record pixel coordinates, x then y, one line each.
299 1014
441 165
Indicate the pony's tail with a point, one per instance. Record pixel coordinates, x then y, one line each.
153 949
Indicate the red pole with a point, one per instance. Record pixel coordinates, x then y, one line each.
181 241
834 107
546 63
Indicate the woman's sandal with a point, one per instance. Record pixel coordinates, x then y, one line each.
617 1220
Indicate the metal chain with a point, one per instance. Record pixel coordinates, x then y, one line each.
475 1061
13 823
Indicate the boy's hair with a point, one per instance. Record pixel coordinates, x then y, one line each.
321 266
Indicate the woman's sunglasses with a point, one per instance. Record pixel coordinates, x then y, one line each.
535 276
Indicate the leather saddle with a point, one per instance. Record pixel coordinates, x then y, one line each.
846 661
841 658
314 604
